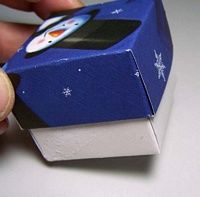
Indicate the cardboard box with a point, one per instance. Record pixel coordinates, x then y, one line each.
113 139
101 63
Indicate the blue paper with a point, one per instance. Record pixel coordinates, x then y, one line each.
99 63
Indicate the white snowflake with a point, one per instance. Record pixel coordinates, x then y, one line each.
117 11
160 66
67 92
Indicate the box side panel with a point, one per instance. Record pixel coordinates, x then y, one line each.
98 89
153 52
123 138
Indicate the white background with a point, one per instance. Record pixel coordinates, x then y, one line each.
176 172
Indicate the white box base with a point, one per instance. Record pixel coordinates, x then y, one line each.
112 139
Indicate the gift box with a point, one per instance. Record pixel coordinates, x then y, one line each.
89 81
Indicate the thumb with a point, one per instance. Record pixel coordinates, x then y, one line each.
7 95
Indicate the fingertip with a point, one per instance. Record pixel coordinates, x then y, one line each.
46 7
7 95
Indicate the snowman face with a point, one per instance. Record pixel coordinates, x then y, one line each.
56 33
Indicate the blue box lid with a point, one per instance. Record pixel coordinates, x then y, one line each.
103 62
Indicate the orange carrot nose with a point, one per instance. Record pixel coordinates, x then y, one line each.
56 33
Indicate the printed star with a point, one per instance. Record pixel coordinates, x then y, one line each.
137 74
117 11
160 66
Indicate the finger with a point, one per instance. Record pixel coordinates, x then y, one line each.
21 5
25 5
7 96
3 126
45 7
33 1
42 7
12 36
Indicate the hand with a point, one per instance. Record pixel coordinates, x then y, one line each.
13 35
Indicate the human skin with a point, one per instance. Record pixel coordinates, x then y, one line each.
12 35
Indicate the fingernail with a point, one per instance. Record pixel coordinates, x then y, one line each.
77 3
3 126
6 95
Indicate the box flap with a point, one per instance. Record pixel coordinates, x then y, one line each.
153 53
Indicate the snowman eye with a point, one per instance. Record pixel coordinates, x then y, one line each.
50 41
76 24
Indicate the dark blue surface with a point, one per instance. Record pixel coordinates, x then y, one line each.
119 82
